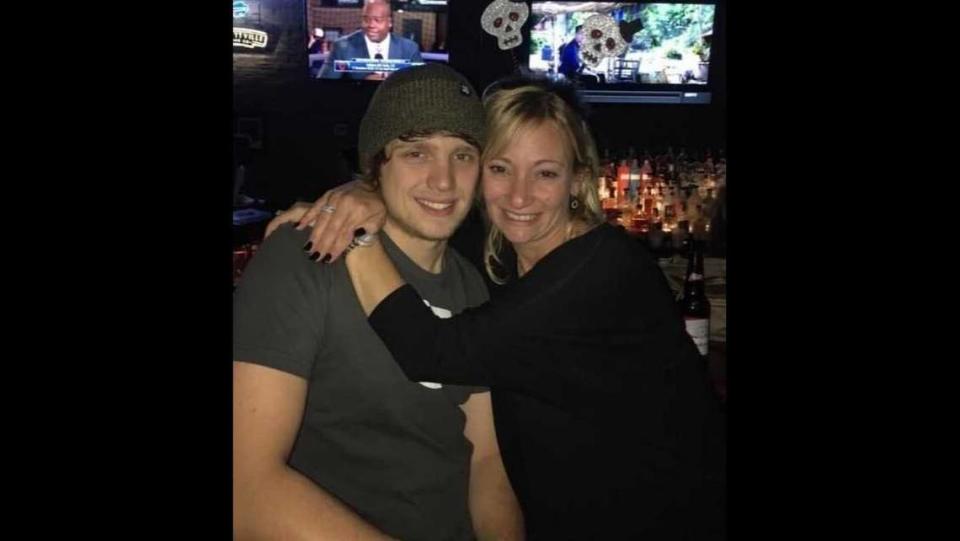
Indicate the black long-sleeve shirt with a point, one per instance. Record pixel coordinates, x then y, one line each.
604 412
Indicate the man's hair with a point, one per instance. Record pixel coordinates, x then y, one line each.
384 2
371 173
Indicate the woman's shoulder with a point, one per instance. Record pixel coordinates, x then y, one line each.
616 239
616 248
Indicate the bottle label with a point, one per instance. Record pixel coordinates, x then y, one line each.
699 330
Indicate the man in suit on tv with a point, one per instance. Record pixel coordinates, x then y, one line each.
570 55
374 41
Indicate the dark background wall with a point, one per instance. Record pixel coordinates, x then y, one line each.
310 127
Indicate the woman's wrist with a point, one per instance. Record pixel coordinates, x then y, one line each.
361 239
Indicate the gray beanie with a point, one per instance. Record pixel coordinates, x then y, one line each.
432 97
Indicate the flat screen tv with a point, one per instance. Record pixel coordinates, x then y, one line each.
345 43
665 60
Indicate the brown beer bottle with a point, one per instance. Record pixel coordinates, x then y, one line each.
694 305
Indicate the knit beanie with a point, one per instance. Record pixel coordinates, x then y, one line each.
427 98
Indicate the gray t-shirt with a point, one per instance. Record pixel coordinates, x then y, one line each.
391 449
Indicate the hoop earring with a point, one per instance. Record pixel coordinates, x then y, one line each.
574 203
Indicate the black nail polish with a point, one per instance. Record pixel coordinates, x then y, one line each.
326 259
307 246
360 232
314 256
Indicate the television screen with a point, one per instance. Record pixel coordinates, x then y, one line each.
666 59
348 40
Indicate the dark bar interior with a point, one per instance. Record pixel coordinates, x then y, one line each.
295 135
657 112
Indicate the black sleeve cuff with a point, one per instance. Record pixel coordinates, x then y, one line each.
408 328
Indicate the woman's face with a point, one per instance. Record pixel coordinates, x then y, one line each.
527 188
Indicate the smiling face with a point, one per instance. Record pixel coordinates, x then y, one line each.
527 187
428 185
538 153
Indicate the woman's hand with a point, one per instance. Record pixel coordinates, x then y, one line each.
291 215
341 214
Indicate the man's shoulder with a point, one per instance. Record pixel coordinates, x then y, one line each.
353 36
285 239
404 42
281 255
352 40
280 305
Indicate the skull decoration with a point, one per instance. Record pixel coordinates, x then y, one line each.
503 19
602 40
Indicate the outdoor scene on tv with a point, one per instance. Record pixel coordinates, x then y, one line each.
672 47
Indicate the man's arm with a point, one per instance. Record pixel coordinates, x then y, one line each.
493 505
270 499
568 59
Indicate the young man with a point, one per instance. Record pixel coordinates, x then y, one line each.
331 441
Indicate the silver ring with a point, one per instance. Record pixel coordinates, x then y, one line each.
329 209
364 240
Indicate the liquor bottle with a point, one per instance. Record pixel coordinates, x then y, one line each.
693 206
634 186
602 191
623 183
669 210
610 173
648 201
658 199
646 171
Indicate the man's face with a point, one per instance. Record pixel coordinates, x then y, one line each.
580 37
428 184
376 21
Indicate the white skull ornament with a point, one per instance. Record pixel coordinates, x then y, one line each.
503 19
602 40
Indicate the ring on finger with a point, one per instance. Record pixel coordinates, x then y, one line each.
329 209
364 240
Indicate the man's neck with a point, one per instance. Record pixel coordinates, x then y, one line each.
382 44
427 254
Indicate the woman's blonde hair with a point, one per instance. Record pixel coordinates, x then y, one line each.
510 110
